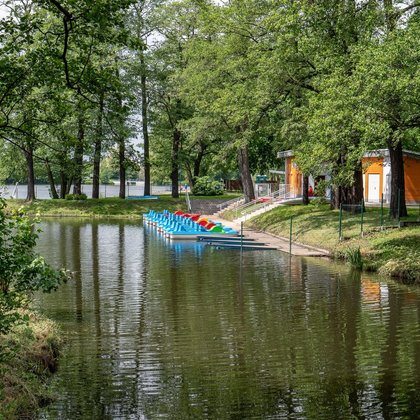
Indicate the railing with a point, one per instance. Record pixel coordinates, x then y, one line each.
188 201
235 202
285 192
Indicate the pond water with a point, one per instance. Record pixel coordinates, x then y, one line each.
184 331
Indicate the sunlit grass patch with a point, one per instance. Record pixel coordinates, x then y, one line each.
391 251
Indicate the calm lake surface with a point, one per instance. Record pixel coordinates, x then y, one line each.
183 331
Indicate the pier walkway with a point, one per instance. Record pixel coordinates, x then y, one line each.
278 242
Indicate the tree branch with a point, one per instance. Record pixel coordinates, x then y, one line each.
401 12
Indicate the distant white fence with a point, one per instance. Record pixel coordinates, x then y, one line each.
42 192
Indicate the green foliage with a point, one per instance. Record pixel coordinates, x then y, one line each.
22 272
328 79
207 186
76 196
28 356
354 257
319 201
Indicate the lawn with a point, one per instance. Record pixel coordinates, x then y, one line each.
393 251
103 207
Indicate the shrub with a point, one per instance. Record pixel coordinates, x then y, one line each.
22 271
207 186
354 257
76 197
319 201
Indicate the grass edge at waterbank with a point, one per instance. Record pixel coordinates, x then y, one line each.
100 208
28 357
393 252
390 251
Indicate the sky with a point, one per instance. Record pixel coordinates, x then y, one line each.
2 11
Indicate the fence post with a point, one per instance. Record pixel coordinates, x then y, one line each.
340 221
242 235
382 211
362 205
290 235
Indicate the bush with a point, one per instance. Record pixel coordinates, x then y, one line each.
22 271
207 186
354 257
76 197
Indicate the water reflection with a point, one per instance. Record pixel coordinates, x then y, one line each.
181 330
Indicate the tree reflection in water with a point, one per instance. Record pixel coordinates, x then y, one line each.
183 330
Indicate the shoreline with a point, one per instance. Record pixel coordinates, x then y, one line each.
30 354
392 252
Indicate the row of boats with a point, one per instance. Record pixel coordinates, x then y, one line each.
180 225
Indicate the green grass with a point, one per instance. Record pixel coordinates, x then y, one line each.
28 356
105 207
393 251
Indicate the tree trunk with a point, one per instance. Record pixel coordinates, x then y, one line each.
68 186
98 149
353 194
397 180
176 143
54 194
390 15
357 188
395 150
198 160
63 184
78 156
244 170
335 197
29 156
121 144
145 122
305 187
189 173
122 170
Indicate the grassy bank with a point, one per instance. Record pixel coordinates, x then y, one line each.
392 251
28 356
105 207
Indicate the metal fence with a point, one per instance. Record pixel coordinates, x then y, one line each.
349 222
